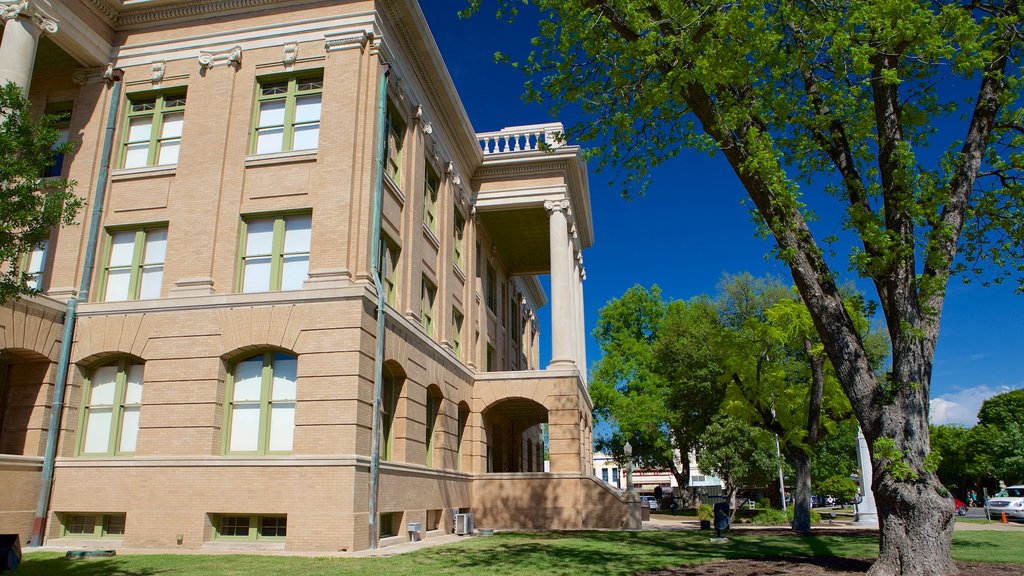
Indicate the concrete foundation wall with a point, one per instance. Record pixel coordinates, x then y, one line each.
546 501
19 489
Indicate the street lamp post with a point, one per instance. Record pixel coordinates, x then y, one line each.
628 451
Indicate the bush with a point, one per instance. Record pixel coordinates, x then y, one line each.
815 516
764 503
770 517
841 487
706 512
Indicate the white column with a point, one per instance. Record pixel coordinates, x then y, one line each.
562 352
867 514
582 327
22 26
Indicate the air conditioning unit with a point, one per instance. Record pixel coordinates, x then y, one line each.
464 524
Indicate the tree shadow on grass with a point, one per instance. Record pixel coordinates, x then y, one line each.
33 565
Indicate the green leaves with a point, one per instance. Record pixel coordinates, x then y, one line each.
30 206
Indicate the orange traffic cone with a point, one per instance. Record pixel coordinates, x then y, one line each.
1004 519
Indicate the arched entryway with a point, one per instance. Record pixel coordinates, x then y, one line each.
26 379
514 431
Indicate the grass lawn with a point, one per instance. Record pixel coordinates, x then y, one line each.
510 554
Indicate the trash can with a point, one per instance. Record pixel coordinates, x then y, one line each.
645 510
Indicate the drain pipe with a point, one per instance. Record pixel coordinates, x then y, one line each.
64 360
378 284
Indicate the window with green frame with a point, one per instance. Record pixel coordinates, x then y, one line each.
388 266
152 135
457 333
491 360
391 391
395 130
261 404
91 525
433 410
250 527
134 264
458 239
428 294
62 110
274 252
287 115
112 397
33 265
431 184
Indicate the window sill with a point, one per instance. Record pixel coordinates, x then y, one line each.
143 172
459 273
431 237
394 190
280 158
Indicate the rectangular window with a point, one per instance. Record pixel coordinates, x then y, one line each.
457 333
62 110
288 113
492 289
491 359
604 474
431 184
275 253
110 420
427 296
388 266
458 239
389 524
33 264
93 525
393 147
134 264
152 136
615 475
246 527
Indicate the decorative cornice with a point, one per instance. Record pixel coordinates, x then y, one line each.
106 9
189 9
223 58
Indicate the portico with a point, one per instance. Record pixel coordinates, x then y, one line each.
530 193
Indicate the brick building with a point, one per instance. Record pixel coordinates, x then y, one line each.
219 289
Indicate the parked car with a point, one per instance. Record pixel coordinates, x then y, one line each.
959 507
1009 500
651 501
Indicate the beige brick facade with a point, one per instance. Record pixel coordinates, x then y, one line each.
465 430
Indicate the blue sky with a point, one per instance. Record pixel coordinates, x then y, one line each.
692 227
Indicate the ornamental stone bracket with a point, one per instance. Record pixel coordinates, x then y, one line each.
559 206
291 54
44 22
231 57
335 42
159 68
84 76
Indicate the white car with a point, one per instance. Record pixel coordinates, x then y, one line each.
1009 500
651 500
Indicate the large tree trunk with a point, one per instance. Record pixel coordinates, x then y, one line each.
802 502
916 526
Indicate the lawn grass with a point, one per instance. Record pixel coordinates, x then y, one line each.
515 554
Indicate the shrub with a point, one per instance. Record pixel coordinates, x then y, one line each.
764 503
815 516
770 517
705 512
839 486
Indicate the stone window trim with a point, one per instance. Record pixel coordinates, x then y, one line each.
33 263
431 192
459 240
390 253
108 424
428 305
144 268
394 134
285 261
156 143
275 398
457 326
287 112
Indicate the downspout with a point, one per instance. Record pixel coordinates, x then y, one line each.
378 284
64 360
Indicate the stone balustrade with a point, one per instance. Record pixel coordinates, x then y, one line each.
521 138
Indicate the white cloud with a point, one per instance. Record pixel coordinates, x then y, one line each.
961 406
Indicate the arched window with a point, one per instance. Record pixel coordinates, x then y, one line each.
392 389
110 416
433 409
261 412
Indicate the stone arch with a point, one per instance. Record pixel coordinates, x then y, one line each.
512 431
26 392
